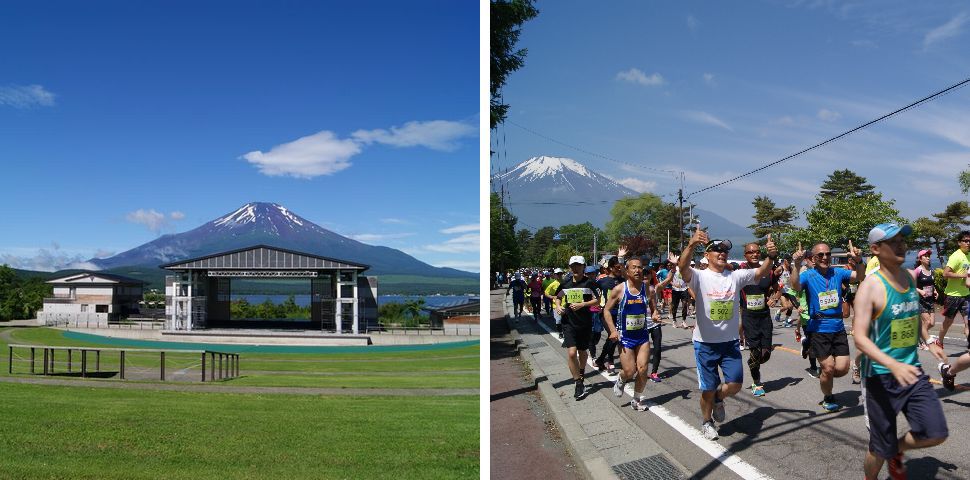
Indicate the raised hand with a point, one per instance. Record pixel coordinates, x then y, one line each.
772 249
699 237
798 255
854 253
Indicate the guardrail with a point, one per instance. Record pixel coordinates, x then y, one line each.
228 363
423 330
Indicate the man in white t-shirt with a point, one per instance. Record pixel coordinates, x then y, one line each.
717 289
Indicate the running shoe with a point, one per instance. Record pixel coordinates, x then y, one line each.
718 411
897 471
580 389
757 390
618 387
744 347
828 404
600 365
709 430
610 370
856 377
655 378
638 405
949 382
560 335
812 372
787 324
934 339
778 317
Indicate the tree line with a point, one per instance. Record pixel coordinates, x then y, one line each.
21 298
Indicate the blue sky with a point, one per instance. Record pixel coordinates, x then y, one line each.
121 121
716 89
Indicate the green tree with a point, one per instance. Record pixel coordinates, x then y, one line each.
507 17
21 298
505 253
845 183
771 219
965 181
643 216
558 256
836 220
952 220
542 241
930 234
581 237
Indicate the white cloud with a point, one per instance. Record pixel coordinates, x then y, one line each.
155 221
319 154
692 23
460 244
47 260
635 75
707 119
471 227
394 220
949 29
828 115
709 79
25 96
641 186
379 237
469 266
440 135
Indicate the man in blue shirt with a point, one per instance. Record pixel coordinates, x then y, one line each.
823 289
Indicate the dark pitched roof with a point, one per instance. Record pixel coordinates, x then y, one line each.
233 259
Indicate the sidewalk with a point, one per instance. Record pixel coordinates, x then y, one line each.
605 442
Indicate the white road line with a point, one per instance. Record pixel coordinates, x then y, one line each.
715 450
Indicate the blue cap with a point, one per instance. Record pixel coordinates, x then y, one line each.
885 231
592 269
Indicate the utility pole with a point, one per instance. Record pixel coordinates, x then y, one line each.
680 220
594 247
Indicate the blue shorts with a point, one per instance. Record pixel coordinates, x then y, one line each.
710 356
630 343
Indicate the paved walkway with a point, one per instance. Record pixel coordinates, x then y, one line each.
607 444
525 440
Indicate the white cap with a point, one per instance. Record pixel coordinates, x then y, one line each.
558 270
704 261
577 259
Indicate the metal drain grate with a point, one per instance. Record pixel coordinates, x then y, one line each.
536 345
656 467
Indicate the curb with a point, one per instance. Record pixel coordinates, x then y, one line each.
590 459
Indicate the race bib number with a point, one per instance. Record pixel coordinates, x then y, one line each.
574 295
635 322
721 310
904 332
853 287
755 302
828 299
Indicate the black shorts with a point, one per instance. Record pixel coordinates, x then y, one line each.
576 336
830 344
954 305
757 331
791 298
926 305
885 398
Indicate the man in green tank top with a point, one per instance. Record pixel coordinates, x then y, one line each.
887 329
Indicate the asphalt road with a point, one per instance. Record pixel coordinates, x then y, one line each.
785 434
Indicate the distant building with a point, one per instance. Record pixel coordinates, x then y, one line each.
458 317
198 295
91 299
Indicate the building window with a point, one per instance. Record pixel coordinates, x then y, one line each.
100 309
346 291
346 276
84 308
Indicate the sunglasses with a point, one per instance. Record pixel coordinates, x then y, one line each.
823 254
748 252
721 246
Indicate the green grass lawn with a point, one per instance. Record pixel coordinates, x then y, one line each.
97 433
367 368
91 433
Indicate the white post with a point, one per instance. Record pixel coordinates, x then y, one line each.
356 306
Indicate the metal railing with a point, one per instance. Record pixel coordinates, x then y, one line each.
220 366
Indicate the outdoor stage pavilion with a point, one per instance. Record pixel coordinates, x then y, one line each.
342 301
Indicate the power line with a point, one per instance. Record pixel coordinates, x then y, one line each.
837 137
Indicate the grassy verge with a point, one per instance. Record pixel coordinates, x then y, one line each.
87 433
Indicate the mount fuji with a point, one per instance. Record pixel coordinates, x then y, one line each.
275 225
553 191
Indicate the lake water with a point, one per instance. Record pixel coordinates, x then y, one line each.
304 300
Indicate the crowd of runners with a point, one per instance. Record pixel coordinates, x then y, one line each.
891 305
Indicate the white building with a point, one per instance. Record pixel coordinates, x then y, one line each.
91 299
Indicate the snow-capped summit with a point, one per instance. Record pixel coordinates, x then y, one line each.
537 167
